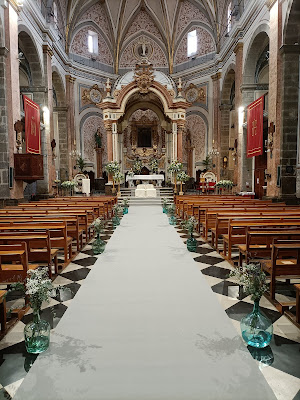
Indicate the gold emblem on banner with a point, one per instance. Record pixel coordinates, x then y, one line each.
254 127
33 126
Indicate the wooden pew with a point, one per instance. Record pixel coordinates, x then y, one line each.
259 242
237 230
58 234
279 266
222 218
38 247
14 263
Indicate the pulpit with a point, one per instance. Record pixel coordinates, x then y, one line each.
29 167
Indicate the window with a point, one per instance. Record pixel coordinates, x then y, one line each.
54 13
192 43
229 17
92 42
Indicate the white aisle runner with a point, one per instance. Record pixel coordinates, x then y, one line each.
145 325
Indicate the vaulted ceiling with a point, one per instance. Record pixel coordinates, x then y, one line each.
167 21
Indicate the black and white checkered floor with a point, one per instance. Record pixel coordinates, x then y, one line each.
279 363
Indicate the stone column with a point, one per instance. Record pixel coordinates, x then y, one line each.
289 120
4 153
174 140
180 128
216 121
70 81
108 127
99 152
11 92
224 133
274 95
238 176
62 147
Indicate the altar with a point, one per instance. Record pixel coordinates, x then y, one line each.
159 178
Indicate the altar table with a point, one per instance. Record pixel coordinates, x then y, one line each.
144 178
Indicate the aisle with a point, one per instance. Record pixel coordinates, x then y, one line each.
145 326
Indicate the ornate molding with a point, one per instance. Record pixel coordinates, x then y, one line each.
47 50
216 76
144 76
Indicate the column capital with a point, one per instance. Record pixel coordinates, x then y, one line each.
70 78
270 3
4 51
47 50
108 125
239 47
216 76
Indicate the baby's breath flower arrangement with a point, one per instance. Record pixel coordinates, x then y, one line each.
98 225
189 224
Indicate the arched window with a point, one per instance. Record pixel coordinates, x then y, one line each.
229 17
192 43
92 42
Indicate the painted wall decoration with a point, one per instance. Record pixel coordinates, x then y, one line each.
130 57
143 22
197 127
196 94
188 12
90 126
79 46
98 15
205 45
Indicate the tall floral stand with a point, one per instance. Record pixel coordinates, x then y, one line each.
181 190
119 190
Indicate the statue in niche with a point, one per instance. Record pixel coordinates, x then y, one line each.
202 95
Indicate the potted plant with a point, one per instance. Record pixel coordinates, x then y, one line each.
98 245
125 205
117 209
118 178
80 163
171 212
175 167
190 226
111 168
256 328
182 177
207 162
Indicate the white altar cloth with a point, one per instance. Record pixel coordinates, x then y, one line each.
86 186
145 191
155 177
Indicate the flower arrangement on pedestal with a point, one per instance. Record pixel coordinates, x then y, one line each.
69 185
153 164
175 167
190 226
118 177
224 184
98 245
137 166
111 168
182 177
257 329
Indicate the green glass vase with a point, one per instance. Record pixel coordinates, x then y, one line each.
98 245
125 210
37 334
165 210
115 221
257 329
172 220
191 243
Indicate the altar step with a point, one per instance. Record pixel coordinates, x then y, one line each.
161 192
138 201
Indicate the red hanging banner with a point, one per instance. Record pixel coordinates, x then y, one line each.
32 126
255 115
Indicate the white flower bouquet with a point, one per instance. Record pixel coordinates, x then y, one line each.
98 225
175 167
118 177
225 184
69 184
182 177
137 166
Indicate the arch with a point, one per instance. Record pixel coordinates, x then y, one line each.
30 49
229 78
291 30
59 87
200 143
258 43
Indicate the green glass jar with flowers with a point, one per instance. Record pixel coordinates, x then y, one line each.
125 205
172 214
256 328
117 210
98 245
190 226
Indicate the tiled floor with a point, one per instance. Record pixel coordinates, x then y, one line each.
279 363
